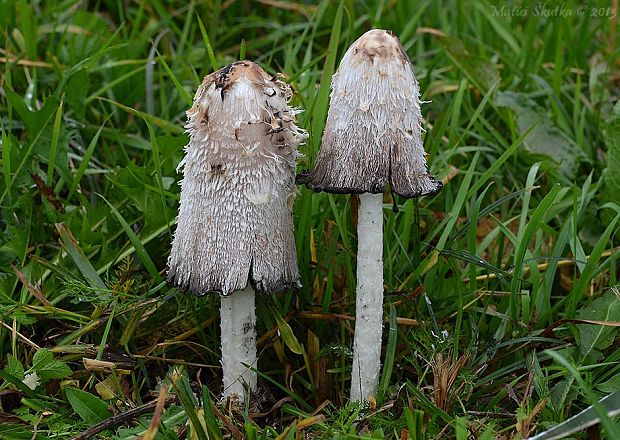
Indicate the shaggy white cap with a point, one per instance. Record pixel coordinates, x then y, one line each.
373 130
235 221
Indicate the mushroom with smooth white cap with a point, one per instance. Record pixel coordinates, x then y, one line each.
234 230
372 137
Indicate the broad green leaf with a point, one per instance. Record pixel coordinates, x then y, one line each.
108 389
610 386
76 91
545 138
593 338
42 358
46 367
35 121
88 406
287 334
70 243
23 318
21 386
54 370
14 367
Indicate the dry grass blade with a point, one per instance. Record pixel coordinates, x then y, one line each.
151 432
19 335
34 290
445 374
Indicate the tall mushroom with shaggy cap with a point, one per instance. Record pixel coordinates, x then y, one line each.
234 231
372 137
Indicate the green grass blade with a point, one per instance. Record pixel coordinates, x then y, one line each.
207 43
319 111
430 407
390 354
523 241
590 267
288 392
458 202
71 245
186 96
85 160
415 423
186 396
599 412
7 147
135 241
54 145
482 180
213 429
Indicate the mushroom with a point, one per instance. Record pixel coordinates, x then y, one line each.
234 230
372 137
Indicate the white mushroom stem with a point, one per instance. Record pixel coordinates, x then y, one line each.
369 303
238 317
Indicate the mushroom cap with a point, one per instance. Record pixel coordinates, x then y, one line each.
374 124
235 223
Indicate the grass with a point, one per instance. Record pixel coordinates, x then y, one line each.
501 291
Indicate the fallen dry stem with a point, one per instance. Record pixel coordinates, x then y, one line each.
20 336
175 361
543 266
234 431
120 419
343 317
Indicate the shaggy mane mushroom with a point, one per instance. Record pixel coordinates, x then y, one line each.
372 137
234 232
